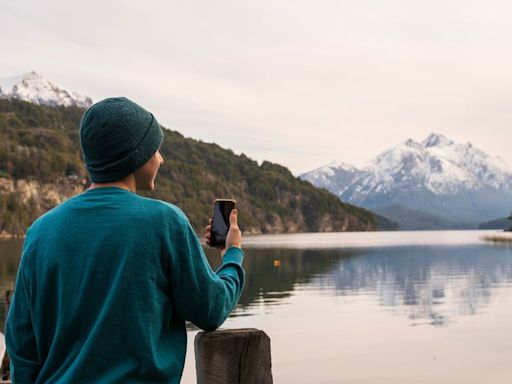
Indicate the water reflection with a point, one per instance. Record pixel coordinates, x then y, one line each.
429 285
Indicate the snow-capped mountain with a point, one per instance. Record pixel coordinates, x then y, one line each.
34 88
456 181
335 176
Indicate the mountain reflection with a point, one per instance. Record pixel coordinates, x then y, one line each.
265 282
430 285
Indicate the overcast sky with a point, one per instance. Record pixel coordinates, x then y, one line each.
296 82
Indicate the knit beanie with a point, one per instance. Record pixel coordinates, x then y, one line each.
117 137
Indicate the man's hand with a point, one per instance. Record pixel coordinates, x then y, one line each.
234 236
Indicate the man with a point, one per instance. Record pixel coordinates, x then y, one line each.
108 278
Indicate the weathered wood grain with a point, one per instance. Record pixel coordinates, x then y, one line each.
233 356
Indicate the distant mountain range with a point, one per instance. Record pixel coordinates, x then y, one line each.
455 185
34 88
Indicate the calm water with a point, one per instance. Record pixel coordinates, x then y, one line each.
397 307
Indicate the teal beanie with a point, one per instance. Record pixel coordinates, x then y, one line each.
117 137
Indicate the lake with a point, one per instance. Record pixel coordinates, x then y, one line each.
384 307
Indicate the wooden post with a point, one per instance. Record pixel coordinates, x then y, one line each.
233 356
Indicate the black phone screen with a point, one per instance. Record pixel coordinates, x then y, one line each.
220 222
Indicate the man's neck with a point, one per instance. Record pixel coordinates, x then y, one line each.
127 183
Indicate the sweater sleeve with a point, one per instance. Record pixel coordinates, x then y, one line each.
19 333
202 296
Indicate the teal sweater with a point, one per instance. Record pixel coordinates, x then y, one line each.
105 284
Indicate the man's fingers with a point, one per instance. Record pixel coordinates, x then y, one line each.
234 237
233 218
207 232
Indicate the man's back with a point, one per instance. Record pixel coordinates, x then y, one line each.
109 278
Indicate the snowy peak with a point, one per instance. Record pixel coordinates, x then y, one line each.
335 176
436 140
411 143
436 164
34 88
340 165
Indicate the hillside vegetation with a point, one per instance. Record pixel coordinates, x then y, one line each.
501 223
415 220
40 166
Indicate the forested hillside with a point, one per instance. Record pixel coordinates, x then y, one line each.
40 166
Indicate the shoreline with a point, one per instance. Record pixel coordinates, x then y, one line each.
504 237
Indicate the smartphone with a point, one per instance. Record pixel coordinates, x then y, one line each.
220 221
